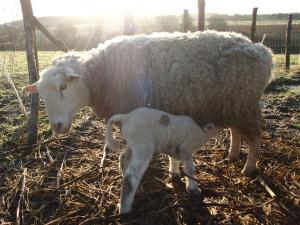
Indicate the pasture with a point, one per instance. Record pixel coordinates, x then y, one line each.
75 189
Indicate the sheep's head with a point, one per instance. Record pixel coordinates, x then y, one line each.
64 94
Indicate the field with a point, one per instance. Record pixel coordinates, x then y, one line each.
262 22
75 189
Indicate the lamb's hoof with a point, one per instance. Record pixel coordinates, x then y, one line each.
232 159
194 192
175 178
177 183
196 195
250 172
124 217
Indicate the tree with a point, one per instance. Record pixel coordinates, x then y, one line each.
217 23
93 38
167 23
67 34
188 23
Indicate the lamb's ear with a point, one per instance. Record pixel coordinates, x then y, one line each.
70 73
32 88
208 127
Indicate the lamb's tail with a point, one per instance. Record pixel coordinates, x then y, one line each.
111 143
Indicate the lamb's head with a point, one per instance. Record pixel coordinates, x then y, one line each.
210 130
64 94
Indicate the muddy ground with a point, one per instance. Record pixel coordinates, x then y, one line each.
75 189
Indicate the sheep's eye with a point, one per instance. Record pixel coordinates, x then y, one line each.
61 89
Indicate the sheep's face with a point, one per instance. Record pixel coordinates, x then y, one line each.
64 95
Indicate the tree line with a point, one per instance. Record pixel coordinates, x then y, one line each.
79 34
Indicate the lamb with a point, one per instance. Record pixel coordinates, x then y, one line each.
209 76
147 131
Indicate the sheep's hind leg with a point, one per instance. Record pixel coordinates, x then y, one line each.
140 158
250 166
235 142
124 159
174 169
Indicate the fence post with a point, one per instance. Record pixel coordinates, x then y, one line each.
128 24
253 26
32 68
201 15
185 20
288 42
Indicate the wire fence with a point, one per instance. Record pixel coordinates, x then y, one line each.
81 35
275 36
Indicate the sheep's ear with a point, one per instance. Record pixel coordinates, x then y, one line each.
208 127
74 75
70 73
32 88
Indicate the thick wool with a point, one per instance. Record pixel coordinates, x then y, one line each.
218 77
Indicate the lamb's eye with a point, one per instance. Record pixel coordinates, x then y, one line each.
61 89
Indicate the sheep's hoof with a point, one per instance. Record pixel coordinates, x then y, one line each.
250 172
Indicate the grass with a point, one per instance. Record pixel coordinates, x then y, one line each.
12 121
262 22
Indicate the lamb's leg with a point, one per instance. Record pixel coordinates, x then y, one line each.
174 169
189 169
250 166
124 159
139 162
235 142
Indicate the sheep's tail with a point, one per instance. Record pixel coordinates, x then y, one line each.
111 143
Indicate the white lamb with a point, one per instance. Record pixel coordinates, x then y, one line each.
149 130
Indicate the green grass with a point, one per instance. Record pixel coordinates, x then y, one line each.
279 60
13 124
262 22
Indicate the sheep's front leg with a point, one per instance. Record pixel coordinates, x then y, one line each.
189 169
174 169
132 176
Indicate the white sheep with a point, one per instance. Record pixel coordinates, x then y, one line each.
212 76
147 131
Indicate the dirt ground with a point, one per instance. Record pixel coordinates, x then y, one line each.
61 180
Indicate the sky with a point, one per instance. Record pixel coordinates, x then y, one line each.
10 9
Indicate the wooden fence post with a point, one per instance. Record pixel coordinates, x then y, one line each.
128 24
31 54
185 20
253 26
58 43
288 42
201 15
